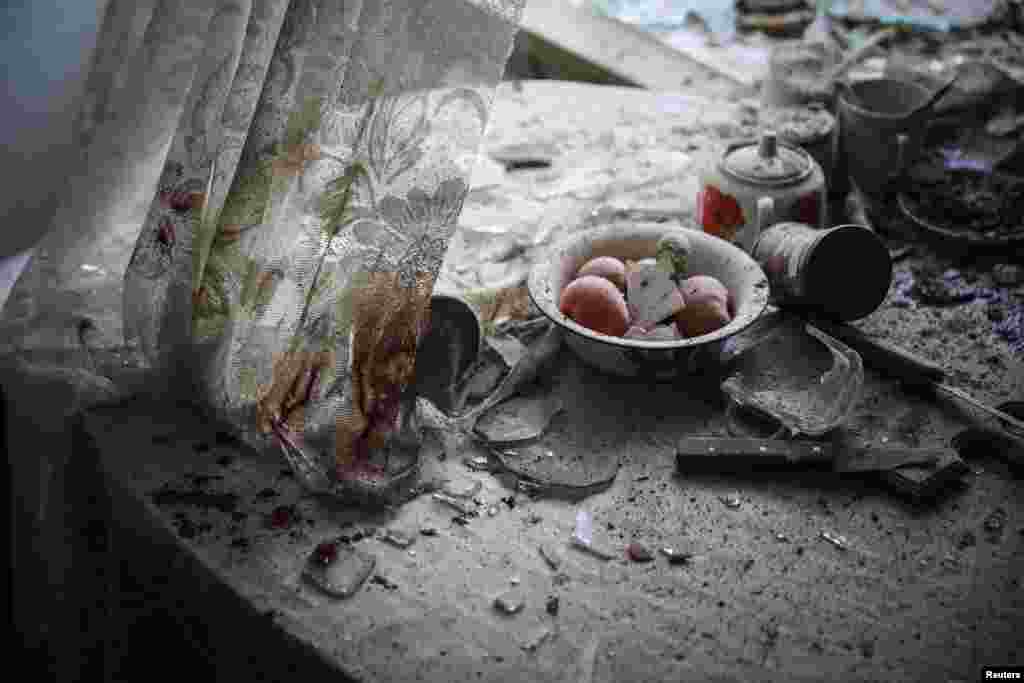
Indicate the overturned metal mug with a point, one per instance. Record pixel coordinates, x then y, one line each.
843 273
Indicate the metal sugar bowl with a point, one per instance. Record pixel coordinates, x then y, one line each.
757 182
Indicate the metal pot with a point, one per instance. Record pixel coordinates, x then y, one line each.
632 357
760 177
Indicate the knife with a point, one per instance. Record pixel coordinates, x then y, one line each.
702 453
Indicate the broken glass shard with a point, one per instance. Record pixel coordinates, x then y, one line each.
509 603
584 530
537 640
462 489
338 569
676 557
396 538
797 375
463 507
523 418
550 555
508 347
835 539
638 553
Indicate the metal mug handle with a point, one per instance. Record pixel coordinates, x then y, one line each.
765 217
902 143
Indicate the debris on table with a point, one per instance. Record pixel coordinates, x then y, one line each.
509 603
638 553
428 531
583 537
537 640
519 419
732 501
676 557
462 507
338 569
836 540
550 555
994 524
462 490
396 538
551 605
479 463
508 347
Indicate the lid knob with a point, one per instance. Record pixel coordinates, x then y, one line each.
769 146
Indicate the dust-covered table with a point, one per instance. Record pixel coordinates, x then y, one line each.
758 592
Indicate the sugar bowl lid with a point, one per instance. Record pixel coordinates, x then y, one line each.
766 162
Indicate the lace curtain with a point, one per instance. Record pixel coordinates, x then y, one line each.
277 182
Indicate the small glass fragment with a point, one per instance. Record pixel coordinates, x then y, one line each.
396 538
551 606
995 521
517 420
509 603
478 463
731 501
591 549
835 539
638 553
428 531
462 507
781 537
550 555
536 641
338 569
584 527
460 520
676 557
534 518
492 511
514 581
462 490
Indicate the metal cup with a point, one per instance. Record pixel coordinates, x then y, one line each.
878 133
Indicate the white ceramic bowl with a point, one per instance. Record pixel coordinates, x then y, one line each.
710 255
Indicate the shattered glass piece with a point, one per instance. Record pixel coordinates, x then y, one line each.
551 605
537 357
781 537
560 464
462 507
479 463
509 603
428 531
638 553
994 523
550 555
492 511
838 541
396 538
338 569
537 640
508 347
523 418
797 375
462 490
584 530
676 557
590 549
731 501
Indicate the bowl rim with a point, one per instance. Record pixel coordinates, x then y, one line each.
550 310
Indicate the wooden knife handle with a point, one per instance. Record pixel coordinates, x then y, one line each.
699 452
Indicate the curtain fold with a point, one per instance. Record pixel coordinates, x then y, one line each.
263 195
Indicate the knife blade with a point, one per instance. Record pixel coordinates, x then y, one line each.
703 453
